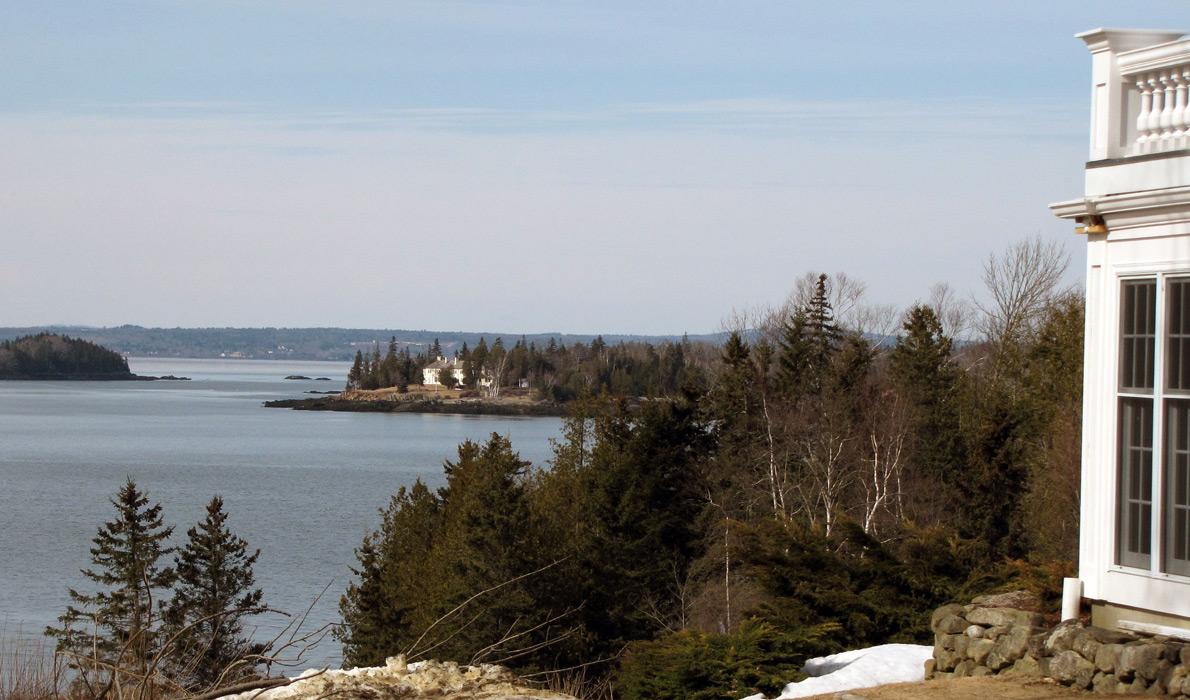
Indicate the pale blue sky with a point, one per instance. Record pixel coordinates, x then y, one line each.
524 166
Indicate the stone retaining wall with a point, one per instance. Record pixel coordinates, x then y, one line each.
1004 634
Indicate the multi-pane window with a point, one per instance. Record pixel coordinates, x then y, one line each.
1154 409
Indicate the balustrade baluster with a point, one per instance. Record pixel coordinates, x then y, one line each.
1146 106
1178 122
1158 100
1165 118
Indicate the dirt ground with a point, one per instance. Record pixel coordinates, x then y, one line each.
964 689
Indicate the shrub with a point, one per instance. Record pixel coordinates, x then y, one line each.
699 666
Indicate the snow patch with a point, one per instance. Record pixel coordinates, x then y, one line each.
860 668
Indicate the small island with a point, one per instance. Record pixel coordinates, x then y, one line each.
49 356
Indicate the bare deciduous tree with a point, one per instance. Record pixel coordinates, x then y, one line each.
1020 283
954 313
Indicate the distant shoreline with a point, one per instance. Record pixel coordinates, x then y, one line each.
77 378
466 407
90 378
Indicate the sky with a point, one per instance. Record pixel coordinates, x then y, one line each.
617 167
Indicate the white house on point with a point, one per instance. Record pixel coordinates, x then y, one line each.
1134 550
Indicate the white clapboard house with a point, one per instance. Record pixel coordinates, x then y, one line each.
1134 552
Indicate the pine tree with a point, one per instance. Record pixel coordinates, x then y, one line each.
215 590
117 623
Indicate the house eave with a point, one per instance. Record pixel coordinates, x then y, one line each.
1102 205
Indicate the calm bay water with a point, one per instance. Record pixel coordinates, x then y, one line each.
302 486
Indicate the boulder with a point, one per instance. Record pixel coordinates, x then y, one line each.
1021 600
1069 668
1085 645
951 624
978 650
1107 657
945 660
1036 647
1062 637
1144 660
1008 648
964 668
1106 636
942 612
1104 682
1026 667
1177 680
1004 617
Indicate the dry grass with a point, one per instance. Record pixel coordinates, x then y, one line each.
28 669
987 688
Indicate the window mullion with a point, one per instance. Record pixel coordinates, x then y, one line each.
1157 551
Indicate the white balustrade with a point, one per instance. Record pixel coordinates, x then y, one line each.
1163 119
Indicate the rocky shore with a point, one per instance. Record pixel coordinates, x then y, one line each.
475 407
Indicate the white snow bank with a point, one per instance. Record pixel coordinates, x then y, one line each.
861 668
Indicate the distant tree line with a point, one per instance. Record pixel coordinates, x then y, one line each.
48 355
555 372
810 490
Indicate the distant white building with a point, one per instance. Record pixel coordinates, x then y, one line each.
431 374
1134 548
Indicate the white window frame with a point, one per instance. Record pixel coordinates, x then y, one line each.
1158 396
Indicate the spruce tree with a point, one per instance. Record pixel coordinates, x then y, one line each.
214 591
809 344
923 372
116 624
484 543
389 605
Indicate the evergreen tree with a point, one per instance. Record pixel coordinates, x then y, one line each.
392 370
117 623
356 373
484 543
808 345
389 606
376 369
921 369
643 515
214 591
475 363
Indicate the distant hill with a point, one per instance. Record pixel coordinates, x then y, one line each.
303 343
52 356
